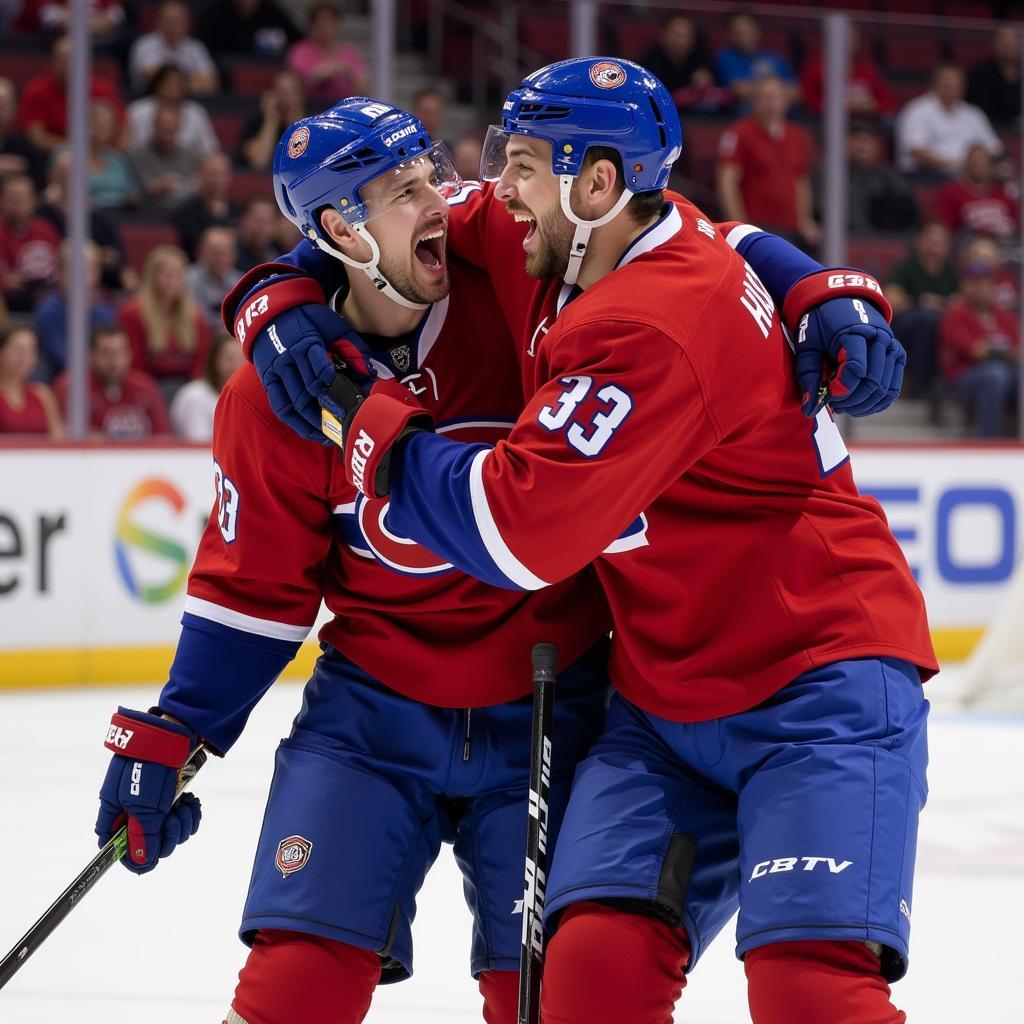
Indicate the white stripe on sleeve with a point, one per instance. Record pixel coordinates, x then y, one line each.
740 232
246 623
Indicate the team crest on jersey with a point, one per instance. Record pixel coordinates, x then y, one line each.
401 357
607 75
292 855
298 142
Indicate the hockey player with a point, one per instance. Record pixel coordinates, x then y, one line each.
766 747
415 726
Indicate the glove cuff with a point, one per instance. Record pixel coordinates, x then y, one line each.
263 303
814 289
145 737
389 414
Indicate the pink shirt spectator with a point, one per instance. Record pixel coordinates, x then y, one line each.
307 58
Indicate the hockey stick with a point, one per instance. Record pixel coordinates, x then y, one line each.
531 952
111 853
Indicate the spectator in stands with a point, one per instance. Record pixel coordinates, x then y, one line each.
680 60
977 203
26 406
28 245
878 198
106 18
982 249
867 94
994 84
167 88
214 273
115 274
980 350
935 131
257 232
467 152
124 404
919 288
742 61
17 155
211 206
42 115
167 330
330 69
764 167
247 27
193 406
112 182
166 170
50 315
429 105
170 43
280 105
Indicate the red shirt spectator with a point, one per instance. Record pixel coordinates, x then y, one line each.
26 407
167 330
866 90
764 166
968 334
54 16
124 404
42 115
977 202
28 245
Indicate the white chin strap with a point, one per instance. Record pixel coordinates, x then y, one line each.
370 268
581 239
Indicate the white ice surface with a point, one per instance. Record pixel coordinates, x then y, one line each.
163 948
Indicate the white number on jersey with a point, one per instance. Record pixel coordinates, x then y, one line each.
227 504
602 425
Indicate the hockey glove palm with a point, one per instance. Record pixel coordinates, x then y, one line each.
847 355
139 788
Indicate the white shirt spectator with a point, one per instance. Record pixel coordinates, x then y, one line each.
947 132
196 130
192 410
150 51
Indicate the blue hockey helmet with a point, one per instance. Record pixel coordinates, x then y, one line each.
593 101
326 160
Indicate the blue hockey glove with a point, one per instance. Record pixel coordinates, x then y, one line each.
847 356
139 788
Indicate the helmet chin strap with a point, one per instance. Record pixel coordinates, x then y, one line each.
581 239
370 267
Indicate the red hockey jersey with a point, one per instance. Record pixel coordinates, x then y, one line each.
665 393
288 530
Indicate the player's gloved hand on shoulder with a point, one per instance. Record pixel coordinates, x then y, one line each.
296 356
139 788
367 420
848 346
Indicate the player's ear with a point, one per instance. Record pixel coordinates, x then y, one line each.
601 188
341 235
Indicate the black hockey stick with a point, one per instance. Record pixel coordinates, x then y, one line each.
531 953
111 853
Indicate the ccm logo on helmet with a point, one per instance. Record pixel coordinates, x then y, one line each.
854 281
607 75
391 139
362 449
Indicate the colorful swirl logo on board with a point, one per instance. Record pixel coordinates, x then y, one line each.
135 541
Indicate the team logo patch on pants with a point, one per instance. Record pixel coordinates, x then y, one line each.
292 855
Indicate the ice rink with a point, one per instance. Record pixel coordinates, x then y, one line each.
163 948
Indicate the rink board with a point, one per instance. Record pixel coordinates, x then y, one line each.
96 543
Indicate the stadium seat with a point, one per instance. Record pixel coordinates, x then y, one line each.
917 52
635 37
548 34
245 184
251 77
228 128
140 236
876 255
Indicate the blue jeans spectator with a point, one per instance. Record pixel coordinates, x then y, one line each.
989 389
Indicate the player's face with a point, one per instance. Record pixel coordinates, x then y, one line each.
410 223
529 190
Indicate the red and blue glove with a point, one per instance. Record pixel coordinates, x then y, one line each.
294 340
139 788
846 353
367 422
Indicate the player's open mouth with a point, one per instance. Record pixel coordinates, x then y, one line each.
430 250
525 218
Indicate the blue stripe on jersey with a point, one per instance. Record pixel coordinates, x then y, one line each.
432 504
776 262
218 676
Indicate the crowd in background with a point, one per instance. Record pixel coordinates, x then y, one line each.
935 168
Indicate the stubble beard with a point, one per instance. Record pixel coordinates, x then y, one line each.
554 234
401 275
